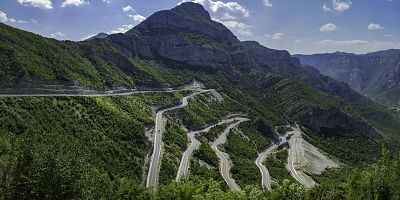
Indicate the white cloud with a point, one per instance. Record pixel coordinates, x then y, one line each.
227 16
341 5
44 4
3 17
238 27
388 35
107 1
373 26
73 3
325 8
137 17
202 2
32 21
277 36
57 35
229 6
122 29
220 8
342 42
267 3
87 37
328 27
358 46
127 8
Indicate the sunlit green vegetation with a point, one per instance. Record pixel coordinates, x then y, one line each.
343 148
242 154
276 164
377 181
205 162
72 147
205 153
258 140
215 132
175 143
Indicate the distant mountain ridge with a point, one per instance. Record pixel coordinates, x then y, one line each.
375 74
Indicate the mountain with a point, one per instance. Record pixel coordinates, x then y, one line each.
170 48
374 74
99 36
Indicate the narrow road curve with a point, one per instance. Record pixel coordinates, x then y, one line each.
223 157
194 145
265 176
154 169
296 159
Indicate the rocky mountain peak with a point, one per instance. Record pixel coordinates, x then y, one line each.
186 34
186 18
194 9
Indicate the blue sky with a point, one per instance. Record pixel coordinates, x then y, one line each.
299 26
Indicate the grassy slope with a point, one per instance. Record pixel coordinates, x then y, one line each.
26 57
73 143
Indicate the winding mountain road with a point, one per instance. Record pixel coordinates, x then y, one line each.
194 145
265 176
154 169
223 157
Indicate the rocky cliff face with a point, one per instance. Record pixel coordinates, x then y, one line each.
187 34
333 122
281 62
374 74
272 60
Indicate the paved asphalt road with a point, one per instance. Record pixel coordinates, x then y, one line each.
223 157
195 144
154 170
265 176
